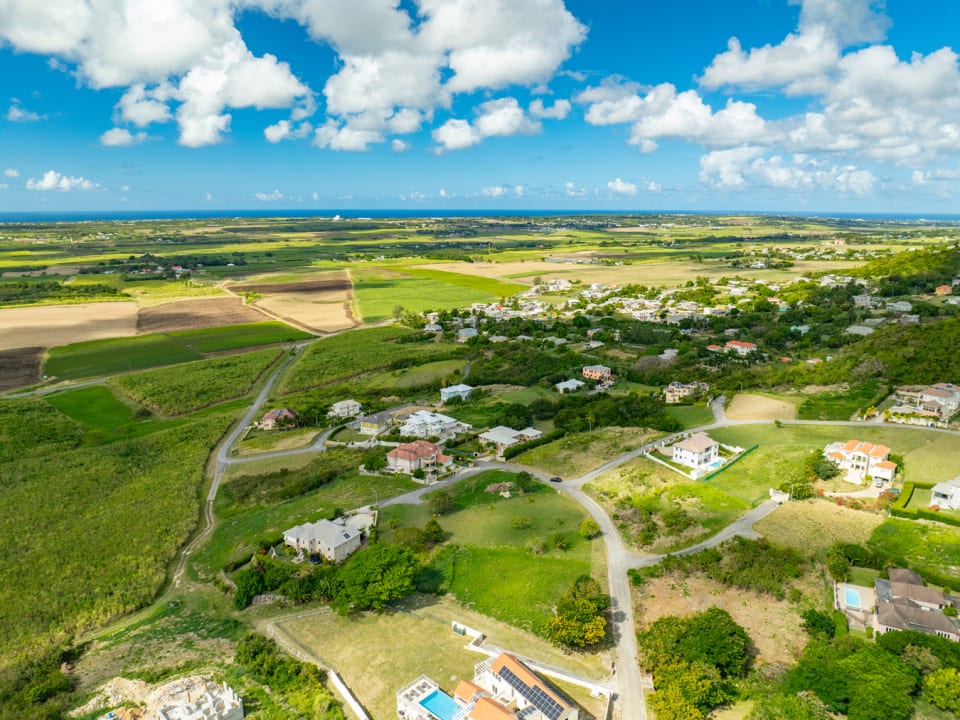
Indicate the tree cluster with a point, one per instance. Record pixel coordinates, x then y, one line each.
580 617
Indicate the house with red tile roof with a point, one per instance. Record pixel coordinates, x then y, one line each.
862 461
277 417
418 455
740 347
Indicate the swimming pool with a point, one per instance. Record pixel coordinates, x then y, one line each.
440 705
851 597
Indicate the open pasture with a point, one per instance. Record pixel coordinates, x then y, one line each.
812 525
20 367
577 453
195 314
64 324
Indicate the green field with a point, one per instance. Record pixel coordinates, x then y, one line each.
379 297
577 453
191 386
841 405
928 456
232 337
358 351
491 286
29 427
96 407
116 355
425 374
691 415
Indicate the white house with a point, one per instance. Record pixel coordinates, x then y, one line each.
335 541
512 684
946 494
504 437
740 347
696 451
465 334
423 424
210 702
344 409
455 391
862 460
569 386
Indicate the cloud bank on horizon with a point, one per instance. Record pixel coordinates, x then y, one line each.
827 108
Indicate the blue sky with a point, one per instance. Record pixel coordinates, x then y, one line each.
760 105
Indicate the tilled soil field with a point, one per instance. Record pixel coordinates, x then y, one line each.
196 314
20 367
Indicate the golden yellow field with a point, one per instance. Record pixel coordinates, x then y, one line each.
50 325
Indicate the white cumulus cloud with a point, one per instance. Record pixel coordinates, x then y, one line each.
11 173
494 191
52 180
121 137
18 114
270 196
621 187
559 110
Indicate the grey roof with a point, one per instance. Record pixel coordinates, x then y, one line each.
884 593
907 618
917 593
903 575
329 533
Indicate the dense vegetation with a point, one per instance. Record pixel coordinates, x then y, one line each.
53 291
188 387
89 532
580 618
296 685
29 427
352 353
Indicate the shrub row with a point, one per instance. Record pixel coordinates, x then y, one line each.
899 508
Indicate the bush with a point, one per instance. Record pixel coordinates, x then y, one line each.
589 529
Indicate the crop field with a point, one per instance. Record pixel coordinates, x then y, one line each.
352 353
575 454
20 367
925 546
813 525
195 314
272 441
321 301
419 376
191 386
491 286
90 532
234 337
45 326
379 291
108 357
96 407
29 428
155 292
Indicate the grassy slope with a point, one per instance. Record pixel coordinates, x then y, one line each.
108 357
378 297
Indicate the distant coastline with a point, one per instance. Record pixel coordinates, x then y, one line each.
146 215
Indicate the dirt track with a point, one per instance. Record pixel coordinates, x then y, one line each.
196 314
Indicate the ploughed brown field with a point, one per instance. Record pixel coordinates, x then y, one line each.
20 367
196 315
339 284
49 325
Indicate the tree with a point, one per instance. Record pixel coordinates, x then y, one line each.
942 688
837 564
826 469
818 623
374 577
432 532
579 619
440 502
715 638
788 707
589 529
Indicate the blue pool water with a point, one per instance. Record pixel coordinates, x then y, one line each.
440 704
851 597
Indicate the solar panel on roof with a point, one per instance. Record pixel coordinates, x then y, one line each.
534 695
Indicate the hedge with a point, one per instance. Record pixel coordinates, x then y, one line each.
899 508
511 452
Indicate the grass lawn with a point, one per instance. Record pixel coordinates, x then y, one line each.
271 441
232 337
815 525
108 357
96 407
921 500
691 415
378 297
526 395
925 546
928 456
863 576
347 434
492 286
420 641
578 453
509 584
240 530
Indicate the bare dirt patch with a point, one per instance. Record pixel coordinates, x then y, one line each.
50 325
19 368
338 283
760 407
196 314
815 524
773 625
